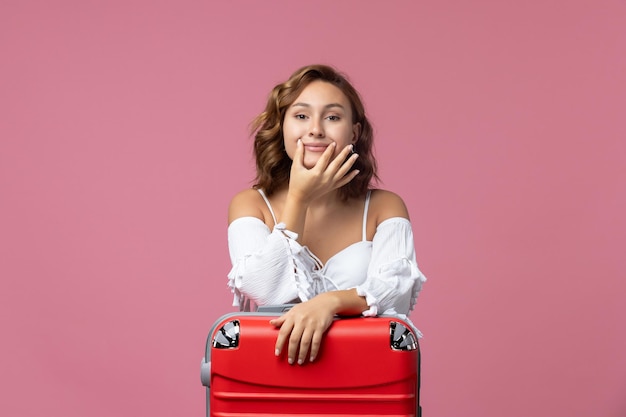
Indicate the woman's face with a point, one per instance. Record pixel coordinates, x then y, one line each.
321 114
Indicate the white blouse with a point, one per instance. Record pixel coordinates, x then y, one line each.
272 267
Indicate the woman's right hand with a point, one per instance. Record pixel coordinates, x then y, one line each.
327 175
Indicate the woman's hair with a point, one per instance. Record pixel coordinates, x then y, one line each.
273 165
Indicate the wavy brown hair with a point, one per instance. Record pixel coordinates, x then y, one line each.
273 165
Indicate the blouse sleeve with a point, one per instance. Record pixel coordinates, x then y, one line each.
393 278
269 267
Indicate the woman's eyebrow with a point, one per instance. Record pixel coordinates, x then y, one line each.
328 106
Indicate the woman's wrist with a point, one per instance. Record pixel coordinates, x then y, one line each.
344 302
294 213
296 198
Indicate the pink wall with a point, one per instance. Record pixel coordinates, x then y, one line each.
123 137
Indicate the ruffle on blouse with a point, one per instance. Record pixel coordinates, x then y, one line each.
392 278
233 276
417 285
303 265
242 277
303 262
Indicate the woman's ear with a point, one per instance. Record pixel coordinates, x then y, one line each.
356 132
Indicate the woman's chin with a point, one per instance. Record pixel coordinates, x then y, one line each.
310 162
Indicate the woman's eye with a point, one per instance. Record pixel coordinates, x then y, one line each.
300 116
334 118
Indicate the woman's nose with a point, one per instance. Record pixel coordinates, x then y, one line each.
316 129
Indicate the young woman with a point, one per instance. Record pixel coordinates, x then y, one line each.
312 231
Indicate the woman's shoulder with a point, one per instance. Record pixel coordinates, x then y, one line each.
247 194
385 204
246 203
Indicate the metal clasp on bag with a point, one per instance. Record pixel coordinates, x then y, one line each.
401 337
227 336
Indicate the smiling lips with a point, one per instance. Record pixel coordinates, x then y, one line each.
315 147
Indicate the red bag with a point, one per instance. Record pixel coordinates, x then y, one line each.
365 367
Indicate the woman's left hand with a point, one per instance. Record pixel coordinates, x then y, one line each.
303 328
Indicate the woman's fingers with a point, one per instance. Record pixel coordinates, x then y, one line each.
297 337
342 166
298 157
337 171
294 343
346 167
303 347
335 163
278 321
283 334
301 333
316 342
347 178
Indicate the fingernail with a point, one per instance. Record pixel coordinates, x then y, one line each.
351 148
300 361
290 360
277 352
312 358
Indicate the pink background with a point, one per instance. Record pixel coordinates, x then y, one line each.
123 128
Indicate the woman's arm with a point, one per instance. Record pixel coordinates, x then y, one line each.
262 269
393 278
269 266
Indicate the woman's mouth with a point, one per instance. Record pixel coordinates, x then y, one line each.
315 147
